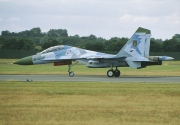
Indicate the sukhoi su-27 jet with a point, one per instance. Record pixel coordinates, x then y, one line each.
134 54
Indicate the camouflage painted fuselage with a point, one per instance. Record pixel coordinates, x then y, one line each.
134 54
63 53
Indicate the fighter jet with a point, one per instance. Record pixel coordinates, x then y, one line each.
134 54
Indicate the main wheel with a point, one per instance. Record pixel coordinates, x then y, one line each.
110 73
117 73
71 74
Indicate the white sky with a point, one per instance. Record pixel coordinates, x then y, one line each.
103 18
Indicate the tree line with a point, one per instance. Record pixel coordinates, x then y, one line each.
35 39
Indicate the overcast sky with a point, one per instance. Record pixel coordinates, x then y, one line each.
103 18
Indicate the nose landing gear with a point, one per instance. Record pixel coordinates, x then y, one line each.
71 73
115 73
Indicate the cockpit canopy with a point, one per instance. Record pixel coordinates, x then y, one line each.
51 49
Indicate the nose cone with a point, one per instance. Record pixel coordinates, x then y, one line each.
24 61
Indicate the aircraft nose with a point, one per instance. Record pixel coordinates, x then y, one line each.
24 61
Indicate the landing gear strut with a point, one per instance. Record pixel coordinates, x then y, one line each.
71 73
115 73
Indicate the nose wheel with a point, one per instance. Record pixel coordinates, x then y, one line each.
71 74
115 73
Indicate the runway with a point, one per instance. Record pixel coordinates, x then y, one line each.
85 78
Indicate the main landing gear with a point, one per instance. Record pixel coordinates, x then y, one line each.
115 73
110 73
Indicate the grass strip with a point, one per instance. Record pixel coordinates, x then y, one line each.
89 103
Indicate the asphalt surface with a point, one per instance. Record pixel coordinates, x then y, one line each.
85 78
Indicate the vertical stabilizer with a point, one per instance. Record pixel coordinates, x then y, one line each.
138 45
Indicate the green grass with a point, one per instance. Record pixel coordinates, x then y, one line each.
169 68
59 103
79 103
